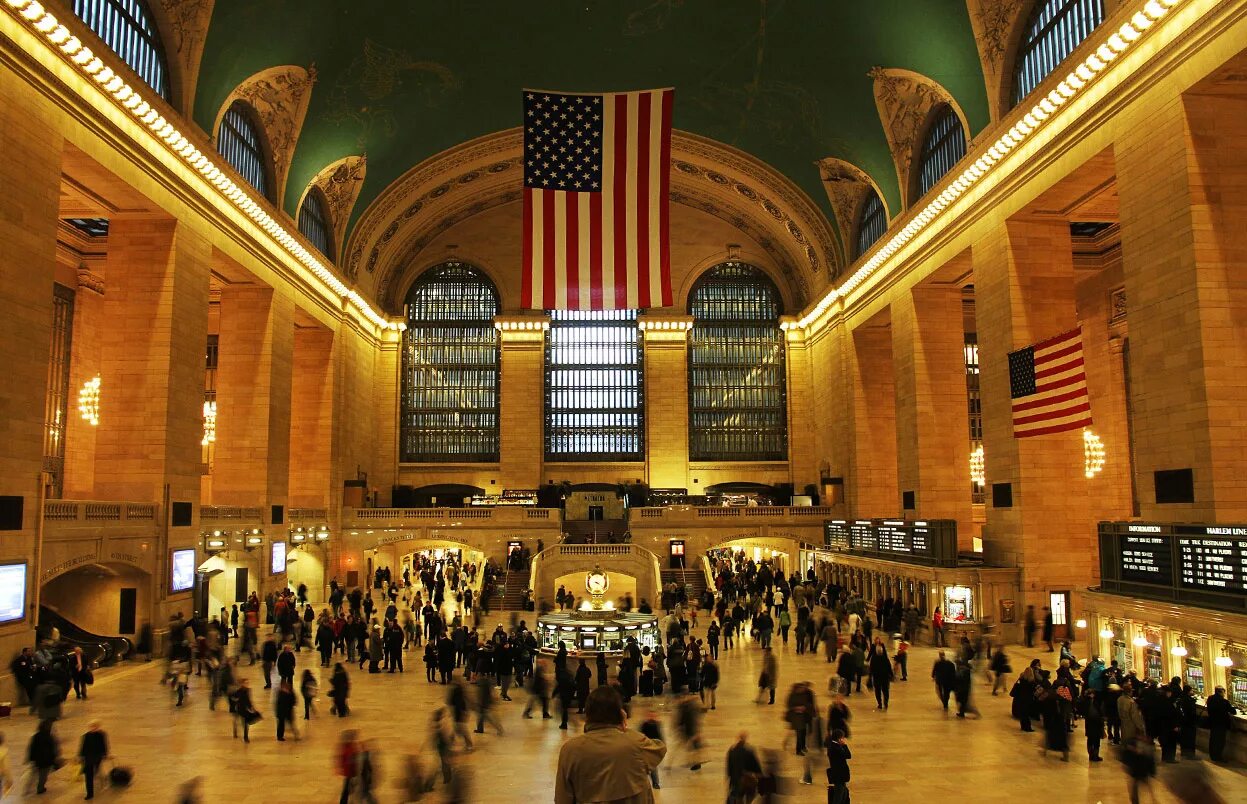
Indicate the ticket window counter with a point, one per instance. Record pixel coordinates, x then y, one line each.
1237 690
958 603
1153 663
1193 675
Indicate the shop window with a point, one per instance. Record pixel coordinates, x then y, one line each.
126 26
958 604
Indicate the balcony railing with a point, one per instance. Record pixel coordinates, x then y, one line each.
506 513
303 514
229 512
802 512
98 511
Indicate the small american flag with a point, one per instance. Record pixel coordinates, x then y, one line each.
1049 387
596 180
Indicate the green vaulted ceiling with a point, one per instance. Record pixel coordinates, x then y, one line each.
403 80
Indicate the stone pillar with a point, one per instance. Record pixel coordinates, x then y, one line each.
1024 293
872 488
311 417
388 390
152 361
522 399
89 324
802 450
1182 179
666 398
256 346
932 415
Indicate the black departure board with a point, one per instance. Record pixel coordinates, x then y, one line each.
915 541
1147 559
1194 563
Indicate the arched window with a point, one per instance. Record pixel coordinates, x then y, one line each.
595 403
1054 30
126 26
449 407
314 221
944 146
240 143
737 404
872 222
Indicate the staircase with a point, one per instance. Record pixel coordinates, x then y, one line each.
516 584
692 579
594 531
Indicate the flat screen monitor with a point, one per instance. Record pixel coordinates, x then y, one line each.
12 592
279 558
182 570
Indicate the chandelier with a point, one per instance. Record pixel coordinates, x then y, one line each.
89 401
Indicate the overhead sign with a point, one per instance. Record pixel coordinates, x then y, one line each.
923 541
1198 563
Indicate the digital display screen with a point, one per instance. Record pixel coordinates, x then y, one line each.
1214 564
182 570
279 558
919 541
1147 559
12 592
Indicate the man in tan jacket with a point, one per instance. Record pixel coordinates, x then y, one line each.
607 762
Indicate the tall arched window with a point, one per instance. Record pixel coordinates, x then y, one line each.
1054 30
126 26
595 403
239 141
449 406
872 222
943 147
737 404
314 221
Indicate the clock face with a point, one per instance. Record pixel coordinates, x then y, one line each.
596 583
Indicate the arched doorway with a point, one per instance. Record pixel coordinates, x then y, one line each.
101 607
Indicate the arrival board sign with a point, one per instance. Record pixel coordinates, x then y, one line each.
1204 564
932 541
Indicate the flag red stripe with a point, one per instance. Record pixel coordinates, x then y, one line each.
1055 339
1060 368
642 200
1073 348
573 250
1039 389
1081 407
664 171
595 251
1032 403
526 291
547 235
621 202
1056 428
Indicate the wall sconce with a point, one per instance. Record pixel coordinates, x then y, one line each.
978 467
1178 650
209 423
1093 453
1106 633
1080 623
1139 642
89 401
1223 660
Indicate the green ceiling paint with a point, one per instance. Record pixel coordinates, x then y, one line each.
784 80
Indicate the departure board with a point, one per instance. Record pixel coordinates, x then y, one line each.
918 541
1194 563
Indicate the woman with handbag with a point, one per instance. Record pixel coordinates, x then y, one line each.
244 710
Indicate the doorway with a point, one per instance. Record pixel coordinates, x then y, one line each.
129 603
1059 603
596 513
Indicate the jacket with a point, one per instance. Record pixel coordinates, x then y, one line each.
1131 719
606 764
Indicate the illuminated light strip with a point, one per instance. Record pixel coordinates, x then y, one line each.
131 100
1080 76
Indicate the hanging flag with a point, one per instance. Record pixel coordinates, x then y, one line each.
1049 387
596 180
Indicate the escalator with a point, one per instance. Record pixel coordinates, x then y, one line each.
100 651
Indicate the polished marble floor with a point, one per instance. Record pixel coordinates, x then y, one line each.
913 752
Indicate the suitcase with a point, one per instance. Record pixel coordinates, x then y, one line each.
120 777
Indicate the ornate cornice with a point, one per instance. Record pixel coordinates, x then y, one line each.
279 96
905 100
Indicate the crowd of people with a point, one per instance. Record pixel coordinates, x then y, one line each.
434 610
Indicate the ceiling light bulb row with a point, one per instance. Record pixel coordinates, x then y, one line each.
1079 77
130 99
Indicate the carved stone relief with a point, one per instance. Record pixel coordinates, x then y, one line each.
994 23
341 182
279 96
905 100
847 185
187 22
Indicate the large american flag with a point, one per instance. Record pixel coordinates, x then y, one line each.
596 179
1048 384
